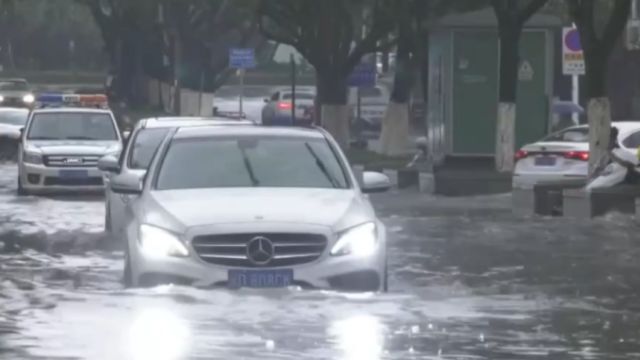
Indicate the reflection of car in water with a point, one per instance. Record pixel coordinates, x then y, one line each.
60 149
16 93
564 155
142 144
252 206
277 108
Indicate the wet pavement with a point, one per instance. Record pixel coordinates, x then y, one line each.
468 281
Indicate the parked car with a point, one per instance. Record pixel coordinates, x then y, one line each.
564 155
144 140
252 206
277 108
373 103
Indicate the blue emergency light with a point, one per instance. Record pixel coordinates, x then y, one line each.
60 100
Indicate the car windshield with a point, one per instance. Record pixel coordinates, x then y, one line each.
17 117
222 162
144 147
569 135
72 126
13 85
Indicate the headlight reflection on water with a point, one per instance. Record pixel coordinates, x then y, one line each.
158 334
359 337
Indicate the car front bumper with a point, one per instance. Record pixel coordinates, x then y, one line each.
36 178
347 273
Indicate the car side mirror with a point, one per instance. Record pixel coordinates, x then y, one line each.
375 182
109 163
127 184
21 133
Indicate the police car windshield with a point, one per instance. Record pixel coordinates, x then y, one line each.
72 126
13 85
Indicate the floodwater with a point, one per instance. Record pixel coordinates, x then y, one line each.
468 281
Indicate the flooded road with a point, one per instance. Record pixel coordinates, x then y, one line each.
468 281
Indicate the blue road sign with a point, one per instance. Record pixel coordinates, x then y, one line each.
364 75
242 58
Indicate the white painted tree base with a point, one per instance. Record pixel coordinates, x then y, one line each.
505 137
394 138
599 117
335 119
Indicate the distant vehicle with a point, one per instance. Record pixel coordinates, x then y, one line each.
60 146
144 140
252 206
12 120
277 108
374 102
564 155
16 93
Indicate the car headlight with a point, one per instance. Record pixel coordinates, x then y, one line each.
32 158
1 98
361 241
28 99
158 243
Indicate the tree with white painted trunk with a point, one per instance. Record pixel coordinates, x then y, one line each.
330 35
600 24
512 16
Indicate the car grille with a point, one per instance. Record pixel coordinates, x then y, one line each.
71 160
231 249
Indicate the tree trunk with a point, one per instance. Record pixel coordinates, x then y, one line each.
599 117
395 125
506 124
335 113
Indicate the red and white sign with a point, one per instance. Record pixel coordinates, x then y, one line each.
572 55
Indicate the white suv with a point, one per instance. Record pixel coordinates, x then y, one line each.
60 148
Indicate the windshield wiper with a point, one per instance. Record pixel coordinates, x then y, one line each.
322 167
79 138
247 165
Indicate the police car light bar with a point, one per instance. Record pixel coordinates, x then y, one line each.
81 100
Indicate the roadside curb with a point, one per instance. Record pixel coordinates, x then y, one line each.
403 179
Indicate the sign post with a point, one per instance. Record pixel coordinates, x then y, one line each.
242 59
363 76
573 62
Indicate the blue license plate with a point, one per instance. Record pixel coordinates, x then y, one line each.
260 278
545 161
73 174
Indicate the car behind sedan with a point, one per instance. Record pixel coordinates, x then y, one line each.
564 155
248 206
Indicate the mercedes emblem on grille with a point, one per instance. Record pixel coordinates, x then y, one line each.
260 250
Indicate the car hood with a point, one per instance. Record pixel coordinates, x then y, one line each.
70 147
201 207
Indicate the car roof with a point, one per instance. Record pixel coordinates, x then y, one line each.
301 132
171 122
77 110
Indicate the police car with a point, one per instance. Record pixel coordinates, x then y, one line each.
62 141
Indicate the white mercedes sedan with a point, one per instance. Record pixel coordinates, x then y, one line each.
253 207
564 155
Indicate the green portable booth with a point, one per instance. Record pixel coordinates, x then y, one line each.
463 83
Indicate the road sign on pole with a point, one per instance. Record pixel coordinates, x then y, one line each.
364 75
242 59
572 55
